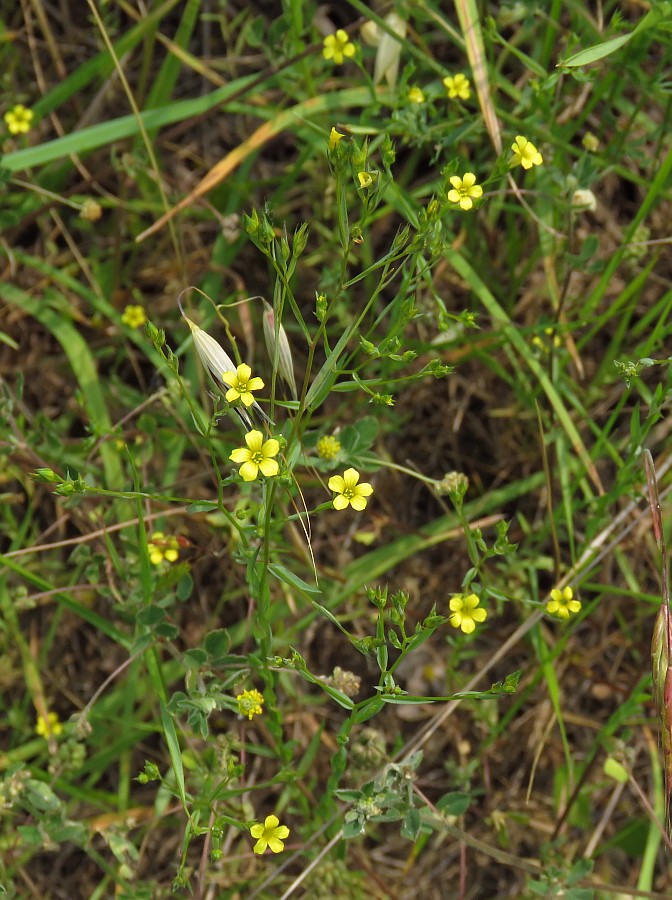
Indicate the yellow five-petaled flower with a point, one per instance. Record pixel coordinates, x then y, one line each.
270 834
241 384
465 612
458 86
464 190
257 456
525 154
338 46
250 703
162 547
415 95
134 316
18 119
348 491
55 726
562 603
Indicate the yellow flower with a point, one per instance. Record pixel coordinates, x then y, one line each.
90 210
55 726
241 384
348 492
162 547
134 316
464 613
365 179
335 137
328 447
18 119
464 189
562 603
458 86
338 46
257 456
217 361
525 154
270 834
250 703
415 95
590 142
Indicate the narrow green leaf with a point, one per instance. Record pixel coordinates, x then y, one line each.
174 751
599 51
283 574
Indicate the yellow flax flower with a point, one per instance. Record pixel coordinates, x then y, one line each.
162 547
365 179
465 612
134 316
464 190
348 491
257 456
525 154
458 86
270 834
338 46
562 603
217 361
250 703
55 726
19 119
415 95
335 137
241 384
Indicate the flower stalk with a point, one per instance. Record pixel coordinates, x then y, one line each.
661 642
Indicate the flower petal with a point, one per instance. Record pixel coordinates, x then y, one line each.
275 845
240 455
467 625
364 489
341 502
336 483
254 440
358 503
271 448
255 384
257 830
248 471
268 467
243 372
